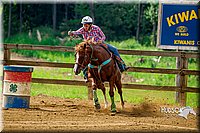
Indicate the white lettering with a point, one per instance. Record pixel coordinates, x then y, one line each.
170 110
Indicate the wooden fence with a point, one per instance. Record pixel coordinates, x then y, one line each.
181 87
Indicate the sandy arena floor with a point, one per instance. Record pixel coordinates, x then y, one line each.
52 114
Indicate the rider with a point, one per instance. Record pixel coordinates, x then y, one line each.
89 30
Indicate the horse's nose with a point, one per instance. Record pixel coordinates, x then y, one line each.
76 69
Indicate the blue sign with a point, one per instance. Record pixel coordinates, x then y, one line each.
180 25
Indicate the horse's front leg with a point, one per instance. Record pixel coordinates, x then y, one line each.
95 98
111 93
102 87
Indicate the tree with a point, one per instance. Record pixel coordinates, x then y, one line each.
151 13
66 11
21 18
92 10
138 21
54 17
118 21
9 21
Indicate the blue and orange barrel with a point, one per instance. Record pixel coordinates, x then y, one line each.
17 86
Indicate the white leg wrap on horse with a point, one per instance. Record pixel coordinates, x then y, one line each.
105 101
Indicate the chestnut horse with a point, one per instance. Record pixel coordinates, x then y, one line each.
101 67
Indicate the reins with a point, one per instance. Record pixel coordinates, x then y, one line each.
91 66
99 67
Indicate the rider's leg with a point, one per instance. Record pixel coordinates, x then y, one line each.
121 63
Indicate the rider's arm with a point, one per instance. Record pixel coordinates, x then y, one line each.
78 32
101 34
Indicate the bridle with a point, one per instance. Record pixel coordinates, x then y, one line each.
82 66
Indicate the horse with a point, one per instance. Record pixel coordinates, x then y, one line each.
102 67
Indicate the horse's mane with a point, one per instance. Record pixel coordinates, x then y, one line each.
80 47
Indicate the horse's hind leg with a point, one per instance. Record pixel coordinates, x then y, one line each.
119 87
111 92
104 94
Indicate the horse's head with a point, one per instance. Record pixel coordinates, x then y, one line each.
82 56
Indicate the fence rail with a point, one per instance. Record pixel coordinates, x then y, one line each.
131 69
181 72
126 52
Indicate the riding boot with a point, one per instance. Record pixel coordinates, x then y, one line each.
122 66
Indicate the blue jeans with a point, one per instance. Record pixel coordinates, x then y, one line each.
120 62
114 50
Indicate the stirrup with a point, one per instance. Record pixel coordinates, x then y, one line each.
124 69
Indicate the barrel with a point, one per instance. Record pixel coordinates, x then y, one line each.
16 86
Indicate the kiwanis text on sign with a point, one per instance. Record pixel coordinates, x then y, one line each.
179 26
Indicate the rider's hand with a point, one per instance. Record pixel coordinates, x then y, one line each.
90 41
70 33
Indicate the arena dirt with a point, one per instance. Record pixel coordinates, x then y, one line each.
53 114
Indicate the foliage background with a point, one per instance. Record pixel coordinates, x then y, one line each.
118 21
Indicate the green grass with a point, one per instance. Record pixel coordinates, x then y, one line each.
63 91
130 95
133 96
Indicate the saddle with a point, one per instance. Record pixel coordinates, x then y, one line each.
116 59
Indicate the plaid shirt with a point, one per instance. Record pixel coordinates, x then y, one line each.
95 32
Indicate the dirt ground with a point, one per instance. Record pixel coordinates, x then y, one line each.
53 114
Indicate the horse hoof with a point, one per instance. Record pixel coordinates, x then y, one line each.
97 106
113 113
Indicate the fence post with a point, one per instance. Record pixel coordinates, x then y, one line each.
6 55
181 79
177 77
90 90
